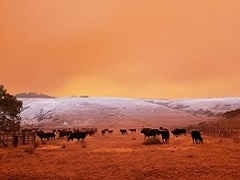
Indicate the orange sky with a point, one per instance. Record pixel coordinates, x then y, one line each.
138 48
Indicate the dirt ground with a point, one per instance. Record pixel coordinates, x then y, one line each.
116 156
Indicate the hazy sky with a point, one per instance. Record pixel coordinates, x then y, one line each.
122 48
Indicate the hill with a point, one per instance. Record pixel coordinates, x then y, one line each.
122 112
232 114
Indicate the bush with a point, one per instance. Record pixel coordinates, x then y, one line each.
29 150
236 140
190 156
83 144
1 156
44 142
151 141
35 144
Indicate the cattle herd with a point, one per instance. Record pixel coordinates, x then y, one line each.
81 134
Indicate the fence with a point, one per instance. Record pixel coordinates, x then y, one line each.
24 138
218 131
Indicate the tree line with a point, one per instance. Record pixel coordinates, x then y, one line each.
33 95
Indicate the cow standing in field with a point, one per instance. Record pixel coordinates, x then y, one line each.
196 136
15 140
42 135
77 135
177 132
90 131
110 131
148 132
123 131
132 130
63 133
165 135
104 131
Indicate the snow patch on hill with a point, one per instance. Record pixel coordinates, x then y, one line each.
121 112
209 107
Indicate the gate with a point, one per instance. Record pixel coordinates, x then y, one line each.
23 138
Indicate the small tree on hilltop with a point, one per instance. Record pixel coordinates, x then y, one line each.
10 109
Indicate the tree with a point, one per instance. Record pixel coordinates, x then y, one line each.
10 109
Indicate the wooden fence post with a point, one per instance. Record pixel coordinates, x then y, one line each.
23 138
219 132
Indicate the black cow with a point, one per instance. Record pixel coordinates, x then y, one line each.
15 140
77 135
110 131
104 131
123 131
76 130
90 131
177 132
148 132
42 135
165 135
63 133
196 136
132 130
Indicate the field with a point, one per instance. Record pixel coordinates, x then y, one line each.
116 156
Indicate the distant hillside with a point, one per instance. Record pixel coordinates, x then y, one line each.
231 114
228 125
33 95
122 112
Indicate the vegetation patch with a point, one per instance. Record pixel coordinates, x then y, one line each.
83 144
151 141
236 140
190 156
1 156
30 150
44 142
35 144
231 114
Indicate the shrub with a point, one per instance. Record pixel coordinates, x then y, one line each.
83 144
236 140
29 150
35 144
151 141
189 156
1 156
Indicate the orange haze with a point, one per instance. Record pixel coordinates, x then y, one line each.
124 48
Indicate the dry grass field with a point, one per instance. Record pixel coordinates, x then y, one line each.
116 156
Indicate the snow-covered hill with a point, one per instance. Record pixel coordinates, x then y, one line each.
208 107
122 112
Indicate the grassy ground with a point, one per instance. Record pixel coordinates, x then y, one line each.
116 156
